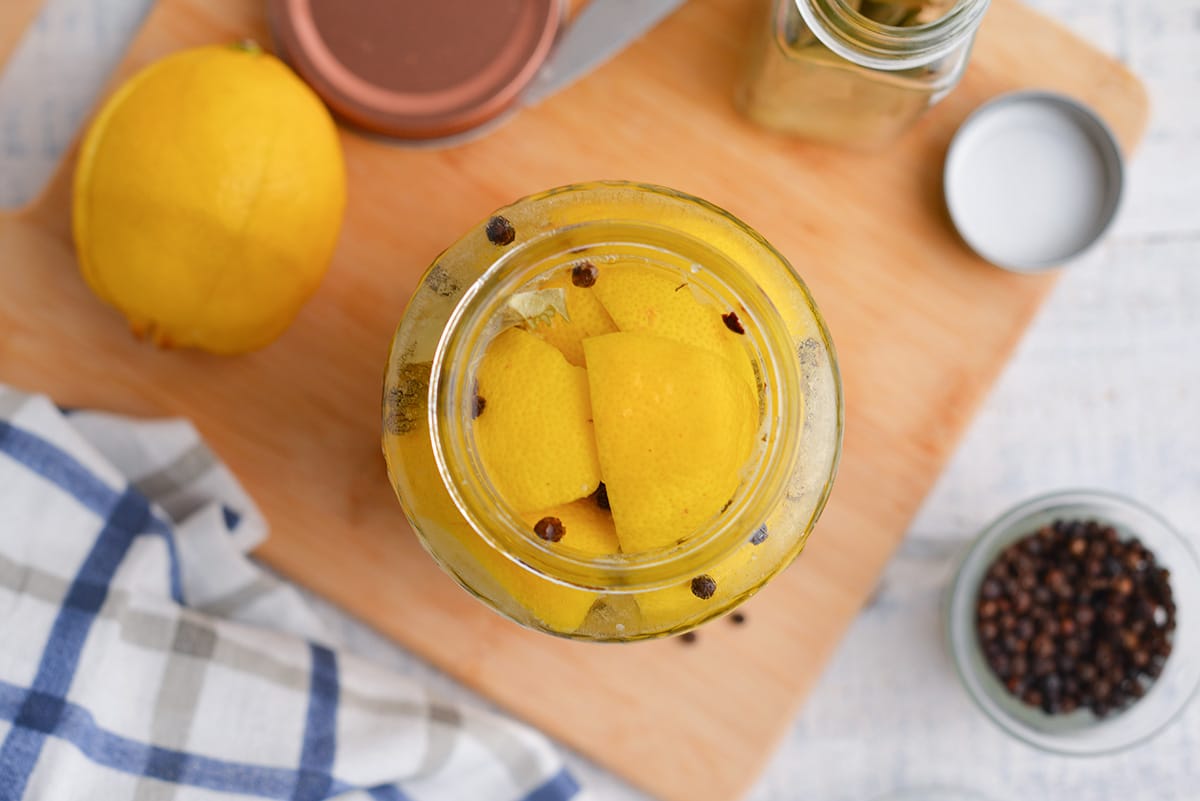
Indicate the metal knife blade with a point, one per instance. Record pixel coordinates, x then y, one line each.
600 31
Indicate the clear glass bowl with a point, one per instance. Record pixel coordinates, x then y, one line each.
1080 733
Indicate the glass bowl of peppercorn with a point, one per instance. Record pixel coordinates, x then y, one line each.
1063 622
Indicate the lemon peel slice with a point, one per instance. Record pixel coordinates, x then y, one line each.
585 317
674 427
587 527
639 298
558 607
534 430
679 604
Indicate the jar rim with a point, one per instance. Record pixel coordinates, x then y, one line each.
477 499
858 39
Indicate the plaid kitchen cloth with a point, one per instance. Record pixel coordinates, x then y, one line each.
143 656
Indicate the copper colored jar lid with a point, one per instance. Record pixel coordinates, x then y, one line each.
416 69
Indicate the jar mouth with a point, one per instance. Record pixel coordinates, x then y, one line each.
633 231
868 43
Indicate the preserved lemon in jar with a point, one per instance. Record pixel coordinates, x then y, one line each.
612 412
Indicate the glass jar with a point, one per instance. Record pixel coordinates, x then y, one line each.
856 73
467 297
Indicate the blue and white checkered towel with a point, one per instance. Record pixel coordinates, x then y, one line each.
144 657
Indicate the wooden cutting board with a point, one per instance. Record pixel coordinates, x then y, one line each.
922 328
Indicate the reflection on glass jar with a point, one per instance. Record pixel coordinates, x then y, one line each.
624 334
856 73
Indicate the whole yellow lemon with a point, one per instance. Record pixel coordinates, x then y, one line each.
208 198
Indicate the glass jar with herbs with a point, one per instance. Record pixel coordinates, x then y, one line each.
856 73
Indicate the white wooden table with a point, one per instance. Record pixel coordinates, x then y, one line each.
1104 392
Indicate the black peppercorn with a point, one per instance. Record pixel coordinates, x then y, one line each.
704 586
732 322
1072 616
550 529
584 274
500 231
601 497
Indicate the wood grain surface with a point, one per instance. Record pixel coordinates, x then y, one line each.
15 16
922 328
